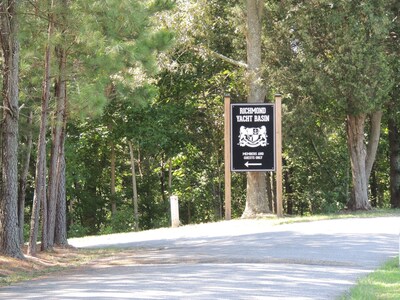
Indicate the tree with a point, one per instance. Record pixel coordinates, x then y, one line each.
256 202
126 44
23 178
57 226
342 46
134 187
9 234
40 176
393 106
60 230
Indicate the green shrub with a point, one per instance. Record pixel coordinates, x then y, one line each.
122 221
77 230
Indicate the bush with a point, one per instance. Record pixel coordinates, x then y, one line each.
122 221
77 230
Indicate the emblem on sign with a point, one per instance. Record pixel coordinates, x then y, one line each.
253 136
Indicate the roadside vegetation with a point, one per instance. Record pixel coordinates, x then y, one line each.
384 283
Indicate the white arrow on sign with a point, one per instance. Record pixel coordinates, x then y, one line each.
247 164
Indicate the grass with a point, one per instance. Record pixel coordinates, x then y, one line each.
384 283
345 214
374 213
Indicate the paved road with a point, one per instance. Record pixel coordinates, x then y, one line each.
240 259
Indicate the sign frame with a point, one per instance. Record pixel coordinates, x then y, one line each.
257 144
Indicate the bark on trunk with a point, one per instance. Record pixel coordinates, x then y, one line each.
256 196
358 155
113 195
256 202
394 144
110 94
60 230
53 171
39 197
255 12
23 178
162 180
289 191
373 141
374 188
57 151
134 188
270 196
60 233
9 233
52 187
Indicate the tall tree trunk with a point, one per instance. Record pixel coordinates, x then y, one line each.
394 144
373 141
60 230
270 196
39 197
362 157
256 196
110 93
9 233
52 188
60 233
113 195
134 187
22 179
162 180
169 177
289 191
57 151
358 155
373 182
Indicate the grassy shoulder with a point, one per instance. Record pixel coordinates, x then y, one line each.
384 283
374 213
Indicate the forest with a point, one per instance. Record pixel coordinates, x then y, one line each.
109 107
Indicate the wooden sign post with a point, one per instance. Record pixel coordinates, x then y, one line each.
227 102
278 137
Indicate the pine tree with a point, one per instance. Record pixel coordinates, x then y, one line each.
9 233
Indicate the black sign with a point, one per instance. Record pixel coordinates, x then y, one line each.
252 137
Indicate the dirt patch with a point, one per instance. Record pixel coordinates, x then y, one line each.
14 270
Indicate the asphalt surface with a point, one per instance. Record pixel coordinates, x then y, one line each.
240 259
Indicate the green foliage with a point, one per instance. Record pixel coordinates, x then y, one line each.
26 232
342 46
122 221
315 160
77 230
330 60
116 45
384 283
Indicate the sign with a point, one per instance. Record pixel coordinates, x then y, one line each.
252 137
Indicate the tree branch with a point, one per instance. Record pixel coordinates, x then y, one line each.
203 50
373 141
